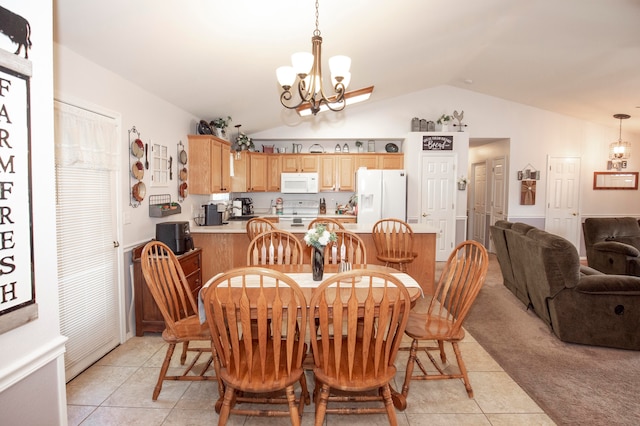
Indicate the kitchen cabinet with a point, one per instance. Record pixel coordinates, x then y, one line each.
255 172
240 178
274 169
337 172
148 316
209 165
299 163
370 161
391 161
258 164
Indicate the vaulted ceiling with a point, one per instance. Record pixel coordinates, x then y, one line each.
216 58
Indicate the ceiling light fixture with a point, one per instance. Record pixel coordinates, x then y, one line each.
307 70
620 150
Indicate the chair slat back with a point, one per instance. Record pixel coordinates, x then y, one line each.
460 282
393 238
252 313
258 225
167 284
330 224
348 247
275 247
362 316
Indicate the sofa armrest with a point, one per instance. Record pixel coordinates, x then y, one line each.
616 247
609 284
586 270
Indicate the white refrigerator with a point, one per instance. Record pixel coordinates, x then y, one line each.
381 194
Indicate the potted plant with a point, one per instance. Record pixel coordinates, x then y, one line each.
444 122
220 125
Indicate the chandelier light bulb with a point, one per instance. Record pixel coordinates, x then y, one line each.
286 76
339 65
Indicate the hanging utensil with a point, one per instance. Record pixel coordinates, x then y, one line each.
146 156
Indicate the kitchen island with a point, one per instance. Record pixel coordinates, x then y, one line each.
225 247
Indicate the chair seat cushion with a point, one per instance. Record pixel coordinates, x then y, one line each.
361 379
437 328
252 380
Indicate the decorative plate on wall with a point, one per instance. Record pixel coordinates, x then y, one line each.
391 147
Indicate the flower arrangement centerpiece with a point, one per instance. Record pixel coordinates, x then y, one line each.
318 237
244 142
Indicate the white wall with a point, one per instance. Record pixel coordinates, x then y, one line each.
31 359
533 133
157 121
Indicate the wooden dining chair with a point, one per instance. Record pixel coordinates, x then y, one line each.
171 292
348 247
393 240
459 284
258 225
329 224
275 247
258 321
356 341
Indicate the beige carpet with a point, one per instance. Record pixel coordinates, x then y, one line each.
573 384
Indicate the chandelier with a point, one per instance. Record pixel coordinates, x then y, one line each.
620 150
307 72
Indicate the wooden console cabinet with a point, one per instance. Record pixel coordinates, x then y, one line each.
148 316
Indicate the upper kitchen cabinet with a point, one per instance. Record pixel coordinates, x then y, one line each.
299 163
274 169
337 172
391 161
370 161
209 161
258 165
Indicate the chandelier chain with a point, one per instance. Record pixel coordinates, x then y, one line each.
317 31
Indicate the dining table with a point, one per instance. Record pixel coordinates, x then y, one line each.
303 276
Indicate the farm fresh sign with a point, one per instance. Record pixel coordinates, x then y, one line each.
17 288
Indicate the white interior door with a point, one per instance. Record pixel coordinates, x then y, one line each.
498 193
479 202
563 198
437 200
91 313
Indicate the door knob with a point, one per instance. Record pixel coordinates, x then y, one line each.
116 244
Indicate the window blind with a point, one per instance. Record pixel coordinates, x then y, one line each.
87 263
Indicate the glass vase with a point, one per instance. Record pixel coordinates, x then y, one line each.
317 263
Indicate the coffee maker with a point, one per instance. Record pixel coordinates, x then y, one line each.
247 205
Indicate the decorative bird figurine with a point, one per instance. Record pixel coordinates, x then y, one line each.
459 117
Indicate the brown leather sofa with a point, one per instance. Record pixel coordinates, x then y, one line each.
578 303
613 244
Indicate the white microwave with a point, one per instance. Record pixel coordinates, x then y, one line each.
299 183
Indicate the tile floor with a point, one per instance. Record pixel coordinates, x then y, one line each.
117 390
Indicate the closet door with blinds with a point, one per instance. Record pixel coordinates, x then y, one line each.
90 307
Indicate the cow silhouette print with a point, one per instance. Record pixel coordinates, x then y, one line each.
17 29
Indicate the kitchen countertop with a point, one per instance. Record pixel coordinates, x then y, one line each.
240 227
